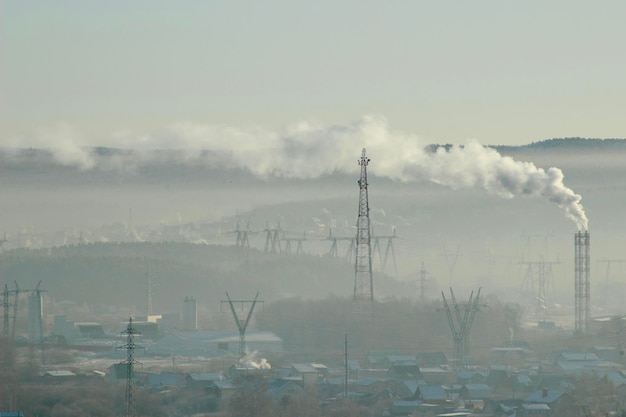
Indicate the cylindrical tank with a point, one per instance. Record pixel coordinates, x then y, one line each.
190 314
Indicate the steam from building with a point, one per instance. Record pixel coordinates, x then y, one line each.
307 150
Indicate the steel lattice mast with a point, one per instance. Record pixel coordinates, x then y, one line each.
363 278
130 347
242 325
461 319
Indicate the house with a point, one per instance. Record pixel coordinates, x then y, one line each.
307 373
480 392
379 358
499 379
534 410
432 394
166 380
202 381
281 389
372 385
553 382
406 389
222 388
470 377
431 359
437 375
556 400
404 408
511 356
502 408
406 369
573 362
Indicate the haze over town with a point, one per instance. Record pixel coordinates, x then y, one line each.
158 156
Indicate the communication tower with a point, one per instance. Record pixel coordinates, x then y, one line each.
363 278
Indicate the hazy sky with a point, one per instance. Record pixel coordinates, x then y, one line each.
500 72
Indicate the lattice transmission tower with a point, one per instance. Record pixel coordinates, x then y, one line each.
242 325
461 318
130 347
363 278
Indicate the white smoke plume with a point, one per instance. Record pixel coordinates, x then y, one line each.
308 150
251 361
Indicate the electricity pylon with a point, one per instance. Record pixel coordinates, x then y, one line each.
130 347
461 318
242 325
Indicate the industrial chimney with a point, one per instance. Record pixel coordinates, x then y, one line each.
582 297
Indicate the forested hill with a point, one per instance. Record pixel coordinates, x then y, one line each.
115 274
568 145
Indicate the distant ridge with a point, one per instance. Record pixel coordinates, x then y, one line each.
553 144
567 144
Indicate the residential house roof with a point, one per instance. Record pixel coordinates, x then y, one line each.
304 368
430 393
535 407
544 396
206 377
165 379
59 373
476 391
431 358
281 387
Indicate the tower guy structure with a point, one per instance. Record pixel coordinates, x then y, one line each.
363 278
461 318
582 296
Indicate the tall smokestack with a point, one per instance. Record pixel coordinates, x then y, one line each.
582 297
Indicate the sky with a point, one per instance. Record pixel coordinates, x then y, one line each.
442 71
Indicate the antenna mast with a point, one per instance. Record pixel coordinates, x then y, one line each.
363 279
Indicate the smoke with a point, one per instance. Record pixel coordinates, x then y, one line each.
308 150
251 361
476 166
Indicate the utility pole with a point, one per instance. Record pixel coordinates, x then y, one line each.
346 359
242 325
363 278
